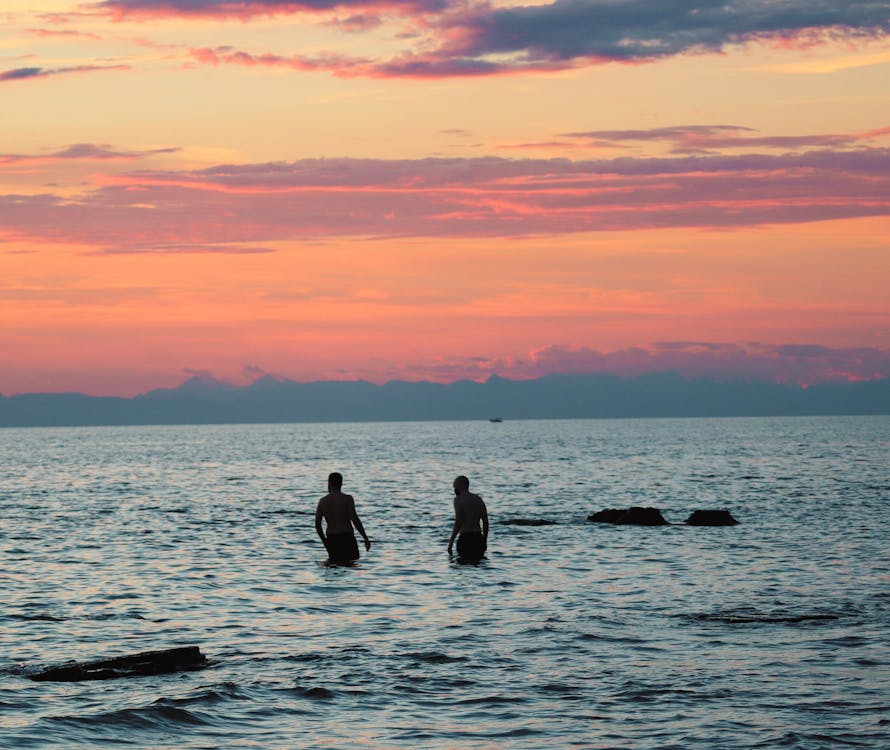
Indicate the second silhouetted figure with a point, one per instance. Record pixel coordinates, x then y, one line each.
470 522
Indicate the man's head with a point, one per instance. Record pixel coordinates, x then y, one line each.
335 481
461 484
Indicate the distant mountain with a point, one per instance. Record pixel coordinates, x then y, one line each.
666 394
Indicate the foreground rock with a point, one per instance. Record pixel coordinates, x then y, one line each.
526 522
711 518
185 658
634 516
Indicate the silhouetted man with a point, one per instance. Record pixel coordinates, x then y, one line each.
470 522
338 511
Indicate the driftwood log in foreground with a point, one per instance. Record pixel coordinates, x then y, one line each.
134 665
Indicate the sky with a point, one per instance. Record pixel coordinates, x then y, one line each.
442 189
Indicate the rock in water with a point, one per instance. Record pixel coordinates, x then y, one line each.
609 515
637 516
711 518
134 665
634 516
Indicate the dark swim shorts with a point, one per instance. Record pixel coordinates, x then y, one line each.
342 547
471 545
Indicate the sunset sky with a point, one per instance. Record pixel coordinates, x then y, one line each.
441 189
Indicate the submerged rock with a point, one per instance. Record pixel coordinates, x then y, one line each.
635 516
526 522
711 518
135 665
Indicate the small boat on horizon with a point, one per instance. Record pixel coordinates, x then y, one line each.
495 419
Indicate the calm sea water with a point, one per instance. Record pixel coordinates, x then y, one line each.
117 540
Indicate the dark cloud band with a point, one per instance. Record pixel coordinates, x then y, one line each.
481 197
478 38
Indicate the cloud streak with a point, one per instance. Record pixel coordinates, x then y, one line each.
86 152
247 9
780 363
186 249
456 197
34 72
700 138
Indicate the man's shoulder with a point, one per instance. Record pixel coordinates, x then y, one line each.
335 497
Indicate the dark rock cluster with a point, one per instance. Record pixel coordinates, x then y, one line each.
634 516
637 516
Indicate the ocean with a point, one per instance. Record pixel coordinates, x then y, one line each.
772 633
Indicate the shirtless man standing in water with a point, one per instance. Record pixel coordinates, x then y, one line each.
469 514
338 510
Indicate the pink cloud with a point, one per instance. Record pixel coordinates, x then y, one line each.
342 65
448 197
248 9
69 33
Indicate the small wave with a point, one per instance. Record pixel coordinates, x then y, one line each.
207 695
37 617
850 641
158 715
520 732
454 682
867 663
558 688
809 741
114 616
646 695
305 657
608 638
315 693
756 618
434 657
492 700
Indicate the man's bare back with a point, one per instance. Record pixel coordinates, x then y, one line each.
469 510
337 509
470 521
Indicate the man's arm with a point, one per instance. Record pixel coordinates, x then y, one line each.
318 516
484 519
458 518
356 521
